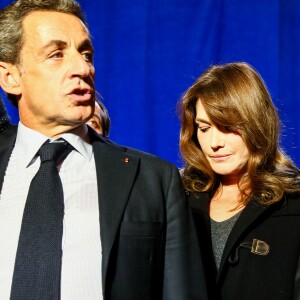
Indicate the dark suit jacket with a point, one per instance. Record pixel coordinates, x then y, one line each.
244 275
149 245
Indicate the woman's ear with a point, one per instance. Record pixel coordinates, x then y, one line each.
9 78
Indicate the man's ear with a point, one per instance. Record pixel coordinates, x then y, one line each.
10 78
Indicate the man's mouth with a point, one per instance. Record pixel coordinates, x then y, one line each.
81 94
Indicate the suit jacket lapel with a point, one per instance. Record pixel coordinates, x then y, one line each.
116 172
250 213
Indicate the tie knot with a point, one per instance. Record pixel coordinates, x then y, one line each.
55 151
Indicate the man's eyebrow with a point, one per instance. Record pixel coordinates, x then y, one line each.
86 45
56 43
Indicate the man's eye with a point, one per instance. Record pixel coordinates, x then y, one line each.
88 56
56 55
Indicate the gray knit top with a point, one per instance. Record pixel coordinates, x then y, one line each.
219 235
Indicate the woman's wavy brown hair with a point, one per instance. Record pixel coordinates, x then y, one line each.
236 98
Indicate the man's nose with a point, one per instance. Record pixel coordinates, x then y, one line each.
80 66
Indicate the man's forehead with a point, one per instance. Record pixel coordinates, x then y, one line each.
47 23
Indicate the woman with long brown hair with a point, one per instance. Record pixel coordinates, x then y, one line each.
243 189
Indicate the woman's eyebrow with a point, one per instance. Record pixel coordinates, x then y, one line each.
199 120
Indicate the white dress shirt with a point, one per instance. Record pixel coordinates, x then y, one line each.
81 261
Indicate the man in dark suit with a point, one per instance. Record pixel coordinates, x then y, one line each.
126 221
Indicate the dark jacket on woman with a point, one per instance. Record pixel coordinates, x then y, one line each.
247 270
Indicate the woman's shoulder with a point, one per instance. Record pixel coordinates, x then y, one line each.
293 200
289 205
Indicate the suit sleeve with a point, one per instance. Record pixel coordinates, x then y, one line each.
183 271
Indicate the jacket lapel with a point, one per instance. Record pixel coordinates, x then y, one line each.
250 213
116 172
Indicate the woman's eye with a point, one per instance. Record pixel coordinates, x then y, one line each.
203 129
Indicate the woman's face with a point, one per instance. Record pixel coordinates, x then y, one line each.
226 152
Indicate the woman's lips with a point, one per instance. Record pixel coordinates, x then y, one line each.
219 158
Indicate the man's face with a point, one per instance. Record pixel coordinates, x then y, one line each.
56 73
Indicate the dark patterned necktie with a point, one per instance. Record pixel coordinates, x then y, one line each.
37 269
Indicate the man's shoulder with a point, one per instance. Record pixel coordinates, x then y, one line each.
144 157
147 156
9 129
8 136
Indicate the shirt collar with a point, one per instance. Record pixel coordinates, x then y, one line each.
29 142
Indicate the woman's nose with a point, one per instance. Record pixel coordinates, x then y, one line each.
217 139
